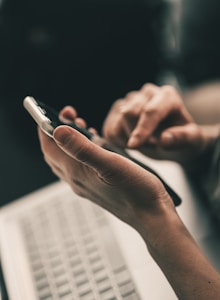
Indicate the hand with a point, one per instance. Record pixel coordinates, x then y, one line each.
155 121
128 191
136 197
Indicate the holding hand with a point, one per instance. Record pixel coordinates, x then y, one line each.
108 179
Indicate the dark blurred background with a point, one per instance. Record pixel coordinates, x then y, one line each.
86 53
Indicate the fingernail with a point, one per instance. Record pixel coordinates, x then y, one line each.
133 142
62 135
66 120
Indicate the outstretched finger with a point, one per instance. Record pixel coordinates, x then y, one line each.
165 104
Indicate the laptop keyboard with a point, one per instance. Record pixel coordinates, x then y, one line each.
73 252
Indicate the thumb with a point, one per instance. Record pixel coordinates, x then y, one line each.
181 136
80 148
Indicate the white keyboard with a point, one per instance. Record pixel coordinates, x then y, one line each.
73 252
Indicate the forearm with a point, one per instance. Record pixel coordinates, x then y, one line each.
183 263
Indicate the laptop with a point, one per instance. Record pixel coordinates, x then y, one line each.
56 245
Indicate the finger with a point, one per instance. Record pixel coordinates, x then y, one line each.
113 127
134 101
68 114
92 130
180 137
129 112
80 122
132 108
77 146
163 104
90 154
149 89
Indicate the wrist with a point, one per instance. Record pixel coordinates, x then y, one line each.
181 260
157 225
167 237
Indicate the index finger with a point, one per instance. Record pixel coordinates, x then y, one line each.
163 104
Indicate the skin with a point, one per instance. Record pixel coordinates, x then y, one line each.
195 99
136 197
155 121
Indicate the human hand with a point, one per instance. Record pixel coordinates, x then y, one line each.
155 121
136 197
128 191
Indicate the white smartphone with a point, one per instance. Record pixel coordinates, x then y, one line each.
48 119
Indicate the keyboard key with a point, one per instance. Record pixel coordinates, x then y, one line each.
46 298
64 290
127 288
89 296
61 279
100 275
44 293
108 294
122 276
104 284
84 289
132 296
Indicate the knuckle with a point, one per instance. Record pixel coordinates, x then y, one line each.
149 111
115 109
108 133
172 95
148 87
118 103
131 94
149 114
